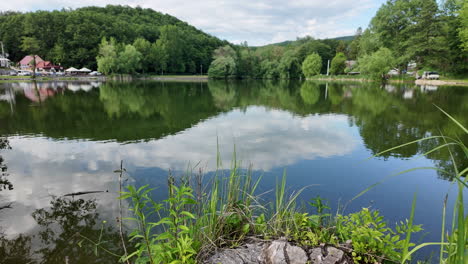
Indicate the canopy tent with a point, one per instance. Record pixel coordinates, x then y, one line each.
72 70
85 70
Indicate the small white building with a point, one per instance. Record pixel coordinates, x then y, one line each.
4 62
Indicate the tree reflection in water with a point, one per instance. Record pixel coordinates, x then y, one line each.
62 228
5 184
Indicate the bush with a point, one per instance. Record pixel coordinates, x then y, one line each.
377 64
338 64
312 65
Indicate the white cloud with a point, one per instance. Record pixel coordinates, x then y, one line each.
258 22
41 167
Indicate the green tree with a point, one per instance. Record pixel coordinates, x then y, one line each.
390 24
463 31
341 47
32 46
224 65
129 60
58 54
377 64
143 46
171 43
426 42
312 65
107 58
270 69
354 45
289 66
338 64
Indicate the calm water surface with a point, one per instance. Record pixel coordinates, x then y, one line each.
61 138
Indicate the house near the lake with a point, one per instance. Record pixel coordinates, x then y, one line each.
26 62
47 66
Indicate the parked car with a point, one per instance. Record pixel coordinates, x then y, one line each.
430 75
393 72
24 73
95 73
13 73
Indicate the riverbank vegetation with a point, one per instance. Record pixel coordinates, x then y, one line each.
194 221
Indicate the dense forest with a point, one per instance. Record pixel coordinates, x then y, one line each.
72 37
121 39
419 32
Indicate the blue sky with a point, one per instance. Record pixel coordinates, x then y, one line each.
257 22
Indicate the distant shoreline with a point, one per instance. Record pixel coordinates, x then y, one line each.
417 82
204 78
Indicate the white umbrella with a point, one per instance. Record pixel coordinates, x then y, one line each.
71 70
85 70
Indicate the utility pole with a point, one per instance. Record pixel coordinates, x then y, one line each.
328 67
201 69
3 51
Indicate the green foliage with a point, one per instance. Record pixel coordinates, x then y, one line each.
107 58
143 46
289 66
372 239
224 64
80 31
175 244
338 64
377 64
419 31
312 65
30 45
463 30
129 60
222 68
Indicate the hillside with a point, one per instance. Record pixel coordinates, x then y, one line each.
292 42
72 37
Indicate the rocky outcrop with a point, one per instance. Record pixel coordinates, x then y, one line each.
279 252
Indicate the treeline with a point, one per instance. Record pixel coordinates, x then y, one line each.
419 32
72 37
273 61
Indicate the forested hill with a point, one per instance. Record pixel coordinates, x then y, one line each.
293 42
72 37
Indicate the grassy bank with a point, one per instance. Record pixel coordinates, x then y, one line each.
393 79
5 78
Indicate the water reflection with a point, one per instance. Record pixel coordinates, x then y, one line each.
62 226
69 137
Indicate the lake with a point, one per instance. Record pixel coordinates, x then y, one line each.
58 138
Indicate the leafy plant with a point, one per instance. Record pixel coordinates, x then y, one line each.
373 241
175 244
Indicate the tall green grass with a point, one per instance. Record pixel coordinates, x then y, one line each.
453 243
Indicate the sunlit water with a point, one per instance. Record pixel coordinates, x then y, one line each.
70 137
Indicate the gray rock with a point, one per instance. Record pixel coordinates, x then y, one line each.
316 256
274 253
248 254
296 255
333 256
278 252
